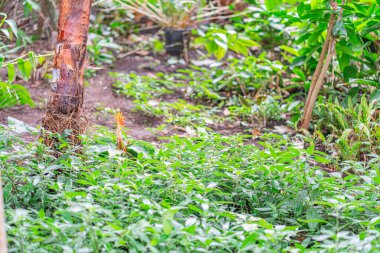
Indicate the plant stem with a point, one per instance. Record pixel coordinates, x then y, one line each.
14 61
320 71
313 96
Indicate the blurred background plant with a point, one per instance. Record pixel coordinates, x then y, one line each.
12 94
180 14
354 126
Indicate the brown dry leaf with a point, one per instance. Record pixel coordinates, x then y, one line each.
255 133
138 16
226 112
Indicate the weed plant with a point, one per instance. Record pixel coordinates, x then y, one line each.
209 193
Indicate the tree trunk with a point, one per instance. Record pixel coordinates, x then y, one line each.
319 76
322 67
64 109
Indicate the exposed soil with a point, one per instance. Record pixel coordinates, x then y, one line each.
99 94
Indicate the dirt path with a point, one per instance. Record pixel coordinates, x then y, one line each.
101 103
98 94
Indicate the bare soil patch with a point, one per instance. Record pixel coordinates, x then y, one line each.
99 94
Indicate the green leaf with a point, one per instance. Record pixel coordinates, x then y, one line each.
222 36
13 26
264 224
321 159
272 4
32 5
312 221
290 50
374 222
33 60
6 33
249 240
350 72
312 218
298 61
366 82
339 29
25 68
167 221
14 94
220 53
375 96
11 73
82 194
221 44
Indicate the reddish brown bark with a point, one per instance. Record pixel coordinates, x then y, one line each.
66 96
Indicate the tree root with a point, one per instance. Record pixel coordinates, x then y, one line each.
68 125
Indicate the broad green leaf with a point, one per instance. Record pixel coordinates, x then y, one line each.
14 94
290 50
25 68
11 73
272 4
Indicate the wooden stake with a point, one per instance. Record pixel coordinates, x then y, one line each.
3 234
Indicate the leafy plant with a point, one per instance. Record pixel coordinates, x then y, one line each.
218 41
354 127
204 191
207 193
240 77
354 34
12 27
173 14
14 94
99 49
143 87
180 113
11 95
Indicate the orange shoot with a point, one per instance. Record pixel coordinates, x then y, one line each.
119 130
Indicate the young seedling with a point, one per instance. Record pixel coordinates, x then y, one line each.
119 131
